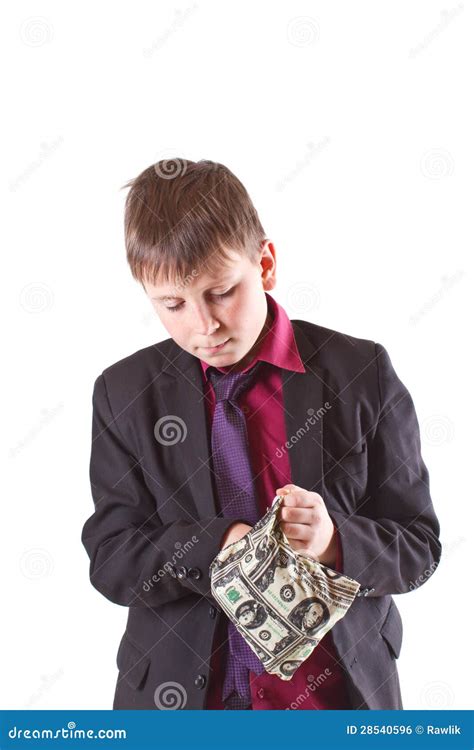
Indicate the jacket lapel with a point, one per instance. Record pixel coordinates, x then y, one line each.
183 396
303 399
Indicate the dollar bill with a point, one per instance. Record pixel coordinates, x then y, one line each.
281 601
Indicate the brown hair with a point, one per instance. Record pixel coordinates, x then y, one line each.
181 215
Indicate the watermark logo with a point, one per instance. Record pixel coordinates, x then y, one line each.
313 418
313 684
180 16
36 31
436 164
36 298
302 31
437 694
168 169
170 696
180 552
36 563
438 430
446 17
170 430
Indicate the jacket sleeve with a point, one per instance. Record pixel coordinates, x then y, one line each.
392 545
133 555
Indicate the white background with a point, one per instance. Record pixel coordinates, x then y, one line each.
350 125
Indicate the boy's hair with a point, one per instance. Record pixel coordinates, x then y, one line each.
181 216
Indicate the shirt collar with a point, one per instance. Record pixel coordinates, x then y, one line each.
278 347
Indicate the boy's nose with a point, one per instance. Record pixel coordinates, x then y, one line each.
206 324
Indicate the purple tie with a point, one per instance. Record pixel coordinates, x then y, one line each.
236 492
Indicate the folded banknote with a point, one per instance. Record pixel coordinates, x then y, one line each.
281 601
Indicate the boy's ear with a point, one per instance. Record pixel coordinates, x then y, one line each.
268 264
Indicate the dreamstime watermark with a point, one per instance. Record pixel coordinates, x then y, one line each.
314 683
303 297
447 283
447 550
314 417
446 17
70 732
436 164
46 151
180 16
36 31
170 696
178 287
47 415
170 430
437 694
47 682
312 151
452 545
302 31
169 168
180 551
186 281
423 577
437 430
36 297
36 563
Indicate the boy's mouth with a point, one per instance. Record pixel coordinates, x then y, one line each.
212 349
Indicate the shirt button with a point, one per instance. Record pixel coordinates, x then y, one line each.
182 572
260 692
200 681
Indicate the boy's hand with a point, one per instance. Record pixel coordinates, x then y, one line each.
234 533
307 525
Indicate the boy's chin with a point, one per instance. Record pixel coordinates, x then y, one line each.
226 360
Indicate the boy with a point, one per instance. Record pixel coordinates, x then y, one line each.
321 418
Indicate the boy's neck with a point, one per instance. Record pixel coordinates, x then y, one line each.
245 361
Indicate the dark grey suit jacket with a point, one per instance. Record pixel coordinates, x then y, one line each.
155 530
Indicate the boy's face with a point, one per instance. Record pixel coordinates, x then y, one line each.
227 308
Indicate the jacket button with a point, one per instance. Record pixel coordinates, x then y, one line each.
195 573
182 572
200 681
371 590
212 612
172 571
366 592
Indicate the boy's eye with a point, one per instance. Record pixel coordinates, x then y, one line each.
176 307
224 294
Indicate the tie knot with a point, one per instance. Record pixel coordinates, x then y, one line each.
229 386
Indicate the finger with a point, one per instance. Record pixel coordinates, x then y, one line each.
287 488
296 531
307 516
301 499
300 547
